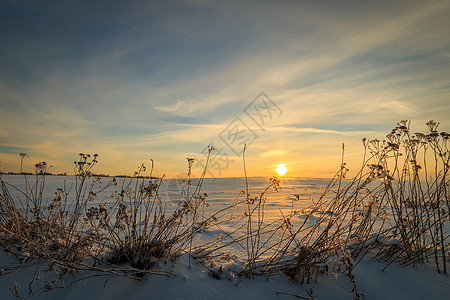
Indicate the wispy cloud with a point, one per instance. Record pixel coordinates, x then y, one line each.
355 133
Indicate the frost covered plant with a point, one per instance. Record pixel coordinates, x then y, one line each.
148 232
395 207
417 194
309 263
84 165
41 168
53 230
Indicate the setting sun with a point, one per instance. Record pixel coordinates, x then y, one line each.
281 169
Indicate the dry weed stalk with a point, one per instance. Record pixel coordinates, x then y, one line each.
395 207
67 233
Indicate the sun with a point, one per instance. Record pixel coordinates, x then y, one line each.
281 169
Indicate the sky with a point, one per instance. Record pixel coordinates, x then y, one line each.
162 80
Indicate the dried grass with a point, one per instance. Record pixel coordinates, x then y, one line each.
395 208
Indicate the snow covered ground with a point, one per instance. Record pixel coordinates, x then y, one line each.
195 282
421 282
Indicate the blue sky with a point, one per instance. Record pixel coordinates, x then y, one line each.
163 79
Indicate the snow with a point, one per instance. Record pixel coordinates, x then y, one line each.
401 282
194 281
396 282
